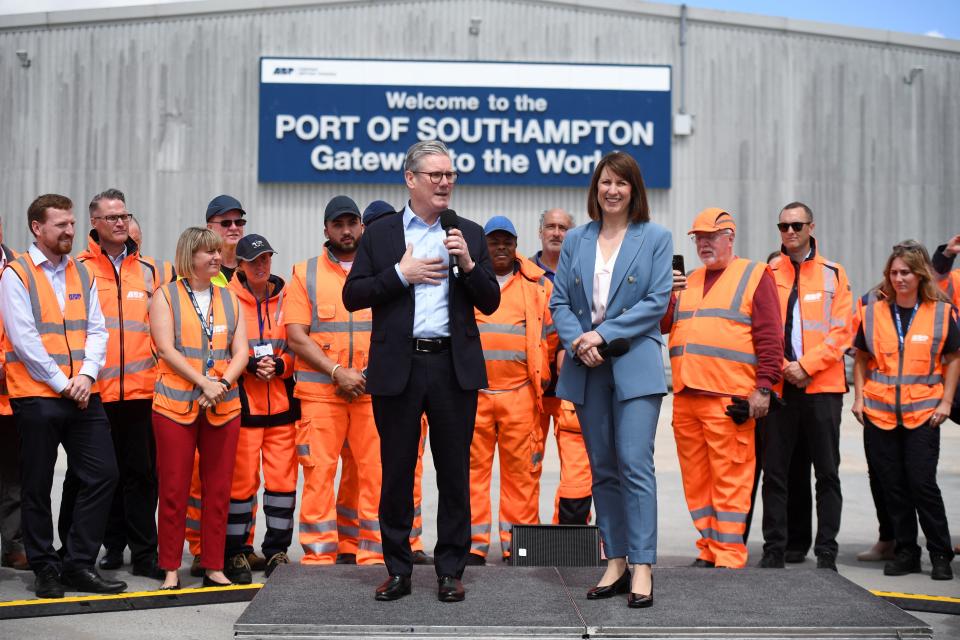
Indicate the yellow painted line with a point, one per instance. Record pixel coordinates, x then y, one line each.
915 596
126 596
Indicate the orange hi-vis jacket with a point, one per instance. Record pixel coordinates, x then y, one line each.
5 408
265 403
826 311
131 368
903 386
711 344
314 300
64 334
518 338
175 397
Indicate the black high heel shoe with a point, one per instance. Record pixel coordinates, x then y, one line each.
172 587
620 586
209 582
639 600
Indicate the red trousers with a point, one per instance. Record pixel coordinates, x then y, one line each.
176 444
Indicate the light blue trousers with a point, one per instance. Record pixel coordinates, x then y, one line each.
619 436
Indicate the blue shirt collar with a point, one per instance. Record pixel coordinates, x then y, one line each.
409 217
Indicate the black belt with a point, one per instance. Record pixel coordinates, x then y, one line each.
431 345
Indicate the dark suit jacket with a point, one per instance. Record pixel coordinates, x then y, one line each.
373 282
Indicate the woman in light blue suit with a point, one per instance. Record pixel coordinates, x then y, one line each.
613 281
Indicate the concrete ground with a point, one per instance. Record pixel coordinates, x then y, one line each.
676 547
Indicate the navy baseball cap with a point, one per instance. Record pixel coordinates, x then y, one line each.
499 223
252 247
223 204
340 206
376 210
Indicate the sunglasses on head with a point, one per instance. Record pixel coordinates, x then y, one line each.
796 226
227 223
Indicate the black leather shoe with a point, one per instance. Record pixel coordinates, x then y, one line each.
449 589
902 564
420 557
771 560
208 582
794 557
620 586
148 570
641 600
700 563
346 558
111 560
827 561
47 583
393 589
941 567
88 580
474 560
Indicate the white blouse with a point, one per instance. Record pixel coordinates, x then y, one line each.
602 274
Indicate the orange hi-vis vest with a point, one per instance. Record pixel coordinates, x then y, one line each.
265 403
904 386
826 311
711 343
131 368
951 286
5 408
176 397
315 300
63 333
515 336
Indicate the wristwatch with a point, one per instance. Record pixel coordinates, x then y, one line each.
225 383
763 391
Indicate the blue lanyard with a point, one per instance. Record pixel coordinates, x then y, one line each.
901 334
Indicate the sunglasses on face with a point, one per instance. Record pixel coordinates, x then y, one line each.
226 224
796 226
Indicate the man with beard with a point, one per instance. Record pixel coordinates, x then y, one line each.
331 345
56 343
518 343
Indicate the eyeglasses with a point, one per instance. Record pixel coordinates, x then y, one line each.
709 237
114 219
226 224
796 226
437 176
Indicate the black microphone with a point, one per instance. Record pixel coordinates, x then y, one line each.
613 349
450 220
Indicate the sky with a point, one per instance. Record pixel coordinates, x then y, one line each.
939 18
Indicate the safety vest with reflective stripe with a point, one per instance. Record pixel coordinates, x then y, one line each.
130 370
826 311
176 397
711 343
343 336
951 286
5 408
903 387
515 337
266 403
64 334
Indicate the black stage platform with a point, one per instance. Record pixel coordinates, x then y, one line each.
542 602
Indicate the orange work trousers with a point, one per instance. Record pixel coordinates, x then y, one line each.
275 446
322 431
348 520
510 422
576 481
717 463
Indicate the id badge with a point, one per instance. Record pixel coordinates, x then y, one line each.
261 350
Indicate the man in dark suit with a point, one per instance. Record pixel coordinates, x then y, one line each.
423 284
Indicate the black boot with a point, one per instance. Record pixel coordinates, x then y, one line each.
941 566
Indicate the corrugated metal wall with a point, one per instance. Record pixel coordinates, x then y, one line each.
166 109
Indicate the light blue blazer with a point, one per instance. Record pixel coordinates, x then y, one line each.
639 293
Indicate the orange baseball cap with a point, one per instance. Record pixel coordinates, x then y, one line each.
712 219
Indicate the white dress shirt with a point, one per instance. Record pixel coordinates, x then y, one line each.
602 275
21 326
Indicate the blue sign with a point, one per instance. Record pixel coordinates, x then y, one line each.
351 121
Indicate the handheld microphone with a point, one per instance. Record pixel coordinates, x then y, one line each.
613 349
450 220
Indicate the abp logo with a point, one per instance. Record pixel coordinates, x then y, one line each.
283 71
